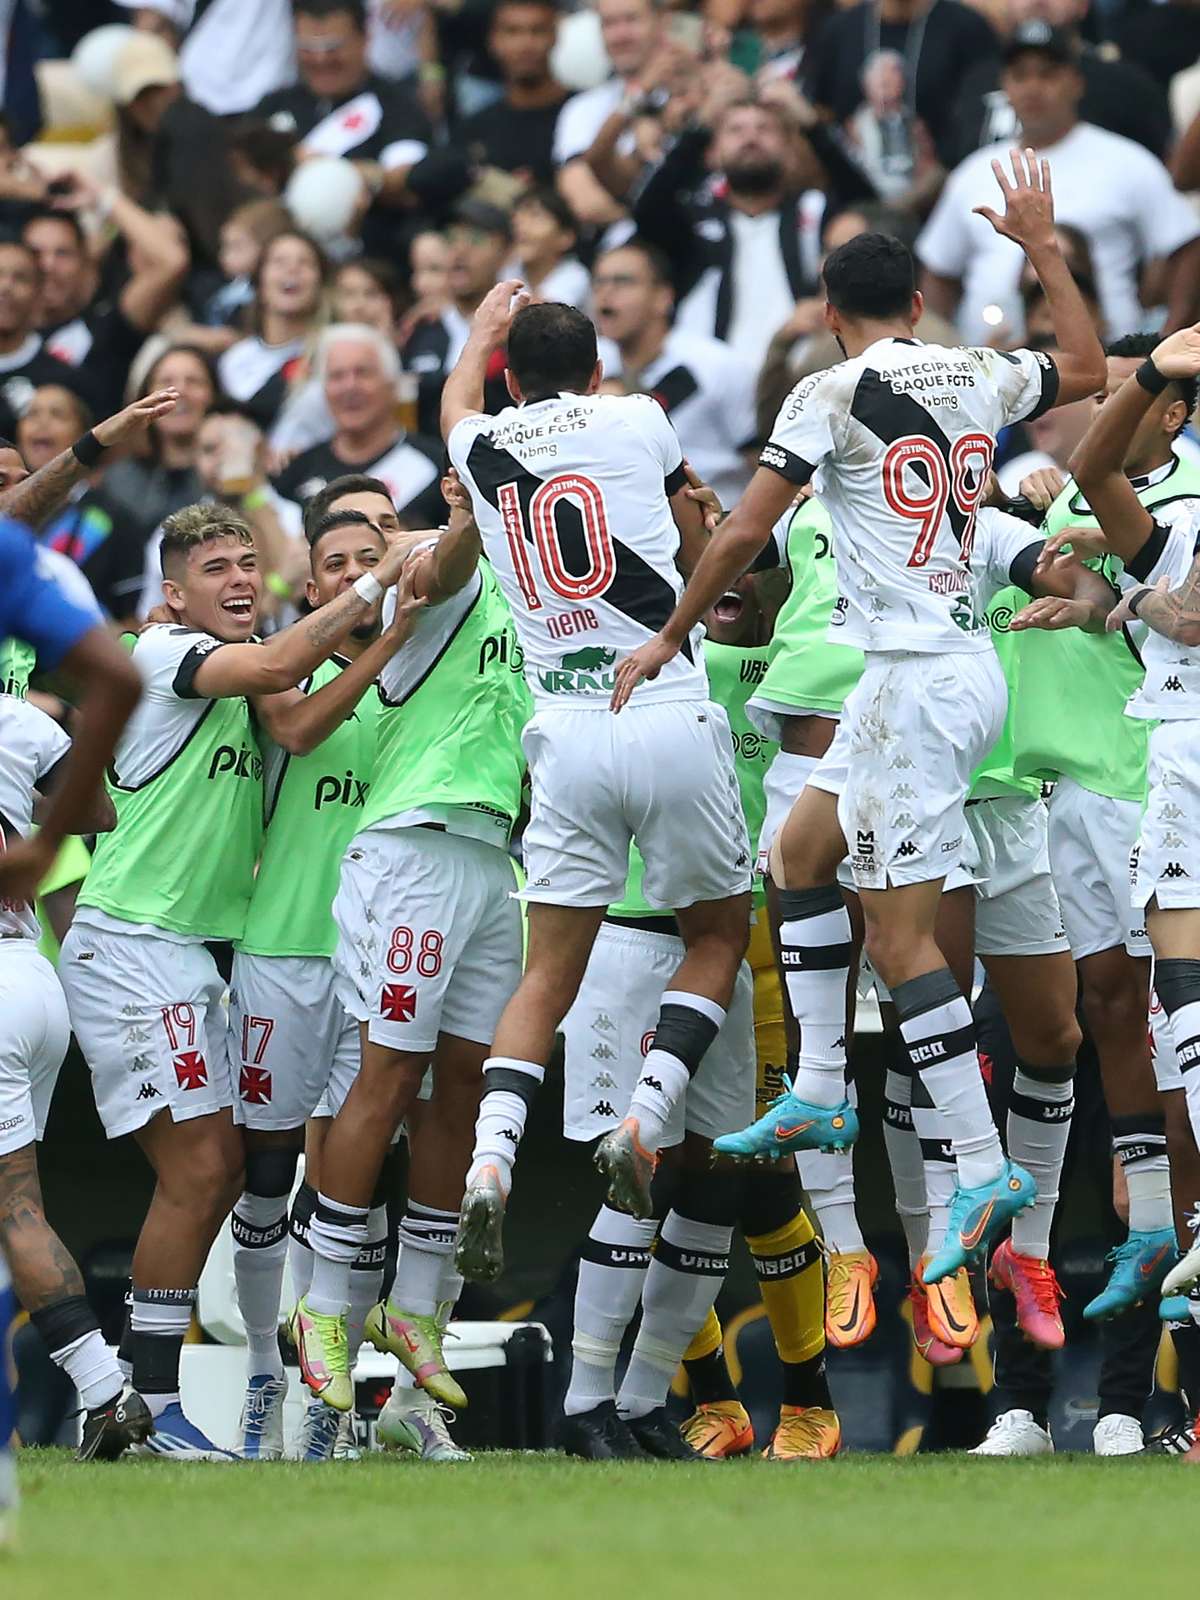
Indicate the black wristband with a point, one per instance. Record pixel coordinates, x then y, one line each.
1136 598
1150 378
88 450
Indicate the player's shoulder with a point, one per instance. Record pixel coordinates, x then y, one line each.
828 386
164 642
26 726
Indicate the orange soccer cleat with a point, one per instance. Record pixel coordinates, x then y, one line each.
951 1307
849 1298
719 1429
805 1433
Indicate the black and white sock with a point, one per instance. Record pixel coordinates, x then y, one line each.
366 1277
612 1272
336 1235
1039 1125
939 1035
687 1025
300 1255
939 1172
904 1157
1178 985
260 1239
509 1090
687 1267
72 1336
816 950
160 1319
426 1243
1140 1145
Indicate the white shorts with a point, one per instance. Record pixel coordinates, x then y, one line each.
610 1028
1166 866
150 1020
429 936
1016 911
1167 1072
913 730
661 773
1092 837
34 1034
289 1036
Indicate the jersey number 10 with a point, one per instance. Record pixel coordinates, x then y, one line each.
544 504
965 480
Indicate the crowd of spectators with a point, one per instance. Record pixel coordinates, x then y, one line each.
288 210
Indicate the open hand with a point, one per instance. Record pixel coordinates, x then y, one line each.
497 309
1178 356
645 664
135 419
1028 217
1085 543
1051 614
1121 613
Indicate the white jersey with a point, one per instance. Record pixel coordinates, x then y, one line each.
1005 553
571 495
901 440
1170 691
31 745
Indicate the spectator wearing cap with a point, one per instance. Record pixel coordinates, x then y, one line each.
1114 191
516 132
338 107
24 362
480 240
1118 95
231 52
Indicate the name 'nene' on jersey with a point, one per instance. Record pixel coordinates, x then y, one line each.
571 495
901 440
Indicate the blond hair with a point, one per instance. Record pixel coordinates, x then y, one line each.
194 525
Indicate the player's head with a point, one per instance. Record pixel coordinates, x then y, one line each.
1151 445
20 285
551 349
631 291
342 546
353 491
12 467
739 616
211 578
750 147
870 280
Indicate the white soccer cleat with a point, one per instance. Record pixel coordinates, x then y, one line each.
346 1445
1184 1275
1118 1435
1015 1433
261 1427
413 1421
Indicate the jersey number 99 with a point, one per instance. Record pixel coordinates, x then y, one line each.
964 480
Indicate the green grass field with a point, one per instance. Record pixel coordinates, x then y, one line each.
523 1528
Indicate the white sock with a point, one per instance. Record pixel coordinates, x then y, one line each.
160 1319
450 1286
366 1278
260 1235
937 1161
92 1368
904 1158
1184 1031
1140 1145
939 1035
1039 1125
612 1271
687 1269
687 1025
336 1235
300 1255
509 1088
828 1180
815 950
426 1243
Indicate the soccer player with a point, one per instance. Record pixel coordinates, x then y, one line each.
584 511
428 952
290 1037
901 437
143 989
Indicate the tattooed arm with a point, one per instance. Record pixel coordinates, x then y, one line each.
1175 613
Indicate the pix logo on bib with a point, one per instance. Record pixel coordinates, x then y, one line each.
398 1002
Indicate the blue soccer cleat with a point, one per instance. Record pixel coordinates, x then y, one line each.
791 1124
262 1418
1139 1267
318 1433
977 1216
179 1439
1175 1308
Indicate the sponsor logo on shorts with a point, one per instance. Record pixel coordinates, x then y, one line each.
191 1069
908 848
398 1002
951 845
928 1052
254 1086
148 1092
1174 869
10 1122
604 1108
1172 685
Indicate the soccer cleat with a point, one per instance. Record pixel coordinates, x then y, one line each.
600 1434
1033 1286
318 1432
719 1429
1185 1274
479 1247
413 1421
790 1124
324 1355
1015 1433
416 1342
345 1446
977 1216
950 1310
1118 1435
1139 1267
110 1430
261 1426
658 1436
849 1298
1175 1308
1177 1439
933 1349
629 1167
805 1433
180 1440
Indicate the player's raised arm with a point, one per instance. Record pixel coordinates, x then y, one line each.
1028 220
462 395
1099 459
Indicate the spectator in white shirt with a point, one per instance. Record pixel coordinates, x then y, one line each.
1114 191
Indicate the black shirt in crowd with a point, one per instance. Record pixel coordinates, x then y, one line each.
411 466
513 140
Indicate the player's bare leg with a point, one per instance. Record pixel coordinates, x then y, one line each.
48 1285
1175 934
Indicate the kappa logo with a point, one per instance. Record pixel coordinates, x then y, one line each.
603 1108
142 1064
903 791
1173 869
1172 840
254 1086
511 1134
148 1092
131 1010
603 1080
1172 685
904 819
902 763
908 848
398 1002
191 1070
604 1052
1170 812
136 1036
650 1083
603 1023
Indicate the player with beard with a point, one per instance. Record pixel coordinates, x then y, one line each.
931 700
175 874
290 1038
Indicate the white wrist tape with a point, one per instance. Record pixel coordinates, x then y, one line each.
368 588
